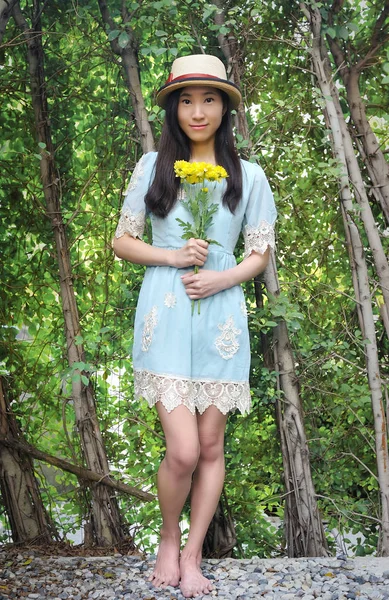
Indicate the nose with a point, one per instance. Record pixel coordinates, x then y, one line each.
198 111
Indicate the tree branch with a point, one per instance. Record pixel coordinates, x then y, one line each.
109 21
339 57
80 472
6 7
377 38
379 26
337 6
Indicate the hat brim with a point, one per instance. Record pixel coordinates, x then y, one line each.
228 87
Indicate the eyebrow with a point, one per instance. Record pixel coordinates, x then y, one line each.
207 93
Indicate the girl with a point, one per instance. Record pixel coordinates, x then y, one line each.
193 366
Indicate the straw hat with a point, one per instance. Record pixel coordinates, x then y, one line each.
199 69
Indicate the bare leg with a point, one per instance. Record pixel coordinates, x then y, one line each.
206 489
174 481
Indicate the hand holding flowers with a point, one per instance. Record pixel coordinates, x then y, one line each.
198 202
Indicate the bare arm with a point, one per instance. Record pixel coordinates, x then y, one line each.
134 250
207 282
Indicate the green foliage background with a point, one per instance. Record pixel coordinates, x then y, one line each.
96 148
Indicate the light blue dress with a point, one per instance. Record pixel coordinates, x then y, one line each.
197 360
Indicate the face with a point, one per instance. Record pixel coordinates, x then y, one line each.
200 112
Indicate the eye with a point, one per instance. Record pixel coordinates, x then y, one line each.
209 100
185 101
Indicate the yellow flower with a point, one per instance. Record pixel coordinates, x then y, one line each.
197 172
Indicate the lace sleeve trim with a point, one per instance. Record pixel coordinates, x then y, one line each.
132 224
258 238
139 171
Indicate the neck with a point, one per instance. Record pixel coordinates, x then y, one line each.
203 153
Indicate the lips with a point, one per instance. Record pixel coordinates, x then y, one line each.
197 127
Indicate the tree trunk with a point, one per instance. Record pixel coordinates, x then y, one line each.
304 530
231 53
220 540
374 158
355 176
331 100
375 162
377 167
22 501
6 7
131 76
379 257
106 522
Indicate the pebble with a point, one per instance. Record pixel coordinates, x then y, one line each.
35 577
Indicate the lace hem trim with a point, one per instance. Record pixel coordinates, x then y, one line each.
195 394
258 238
132 224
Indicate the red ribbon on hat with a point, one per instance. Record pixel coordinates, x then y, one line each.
190 76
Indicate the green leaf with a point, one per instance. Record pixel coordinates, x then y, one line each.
343 33
331 32
123 39
114 34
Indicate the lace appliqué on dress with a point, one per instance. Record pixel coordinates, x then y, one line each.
193 393
170 300
258 238
148 329
226 342
132 224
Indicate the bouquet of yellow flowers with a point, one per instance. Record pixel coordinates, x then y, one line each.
198 203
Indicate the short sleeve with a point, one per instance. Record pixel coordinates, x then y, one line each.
260 215
133 215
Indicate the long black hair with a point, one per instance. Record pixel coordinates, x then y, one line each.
175 145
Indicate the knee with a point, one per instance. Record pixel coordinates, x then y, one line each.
212 448
183 460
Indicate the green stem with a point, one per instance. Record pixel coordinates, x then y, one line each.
196 270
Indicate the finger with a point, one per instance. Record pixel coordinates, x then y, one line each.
189 283
191 289
201 250
196 252
188 275
193 295
202 243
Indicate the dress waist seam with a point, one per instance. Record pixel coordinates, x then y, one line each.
211 250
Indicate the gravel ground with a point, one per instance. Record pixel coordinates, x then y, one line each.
119 577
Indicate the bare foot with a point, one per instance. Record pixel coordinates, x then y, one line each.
193 583
167 571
